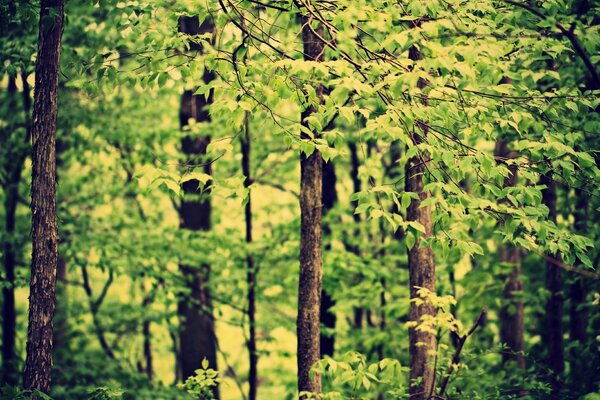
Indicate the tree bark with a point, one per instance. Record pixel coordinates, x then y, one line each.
42 296
554 283
251 271
512 311
328 317
197 330
421 267
311 258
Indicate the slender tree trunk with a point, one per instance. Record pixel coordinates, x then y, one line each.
512 311
357 312
147 334
421 266
311 257
328 317
9 313
42 296
554 283
197 330
251 272
578 294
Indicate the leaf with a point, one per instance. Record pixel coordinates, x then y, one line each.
410 240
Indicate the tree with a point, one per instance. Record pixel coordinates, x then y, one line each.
512 323
311 259
197 331
42 297
421 266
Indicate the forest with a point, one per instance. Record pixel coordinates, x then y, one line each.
300 199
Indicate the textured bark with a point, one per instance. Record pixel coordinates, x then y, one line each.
328 317
311 258
553 336
42 296
251 272
512 311
421 267
197 330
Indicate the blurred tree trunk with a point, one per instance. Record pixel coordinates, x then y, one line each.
554 283
328 317
421 268
42 295
14 168
251 271
197 330
512 310
357 312
311 257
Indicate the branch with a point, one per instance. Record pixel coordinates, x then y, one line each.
572 38
456 356
582 272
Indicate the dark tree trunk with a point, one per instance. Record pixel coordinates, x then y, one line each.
14 169
328 317
578 294
311 257
554 283
358 312
512 311
251 272
147 333
421 266
42 296
197 331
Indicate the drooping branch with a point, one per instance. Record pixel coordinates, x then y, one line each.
570 34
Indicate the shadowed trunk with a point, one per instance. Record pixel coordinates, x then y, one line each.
311 258
357 312
512 310
328 317
421 268
14 169
42 296
251 272
554 283
197 331
147 333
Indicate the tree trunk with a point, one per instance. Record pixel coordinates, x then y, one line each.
512 311
311 258
554 283
328 317
357 312
9 313
421 268
251 272
147 333
42 296
197 330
